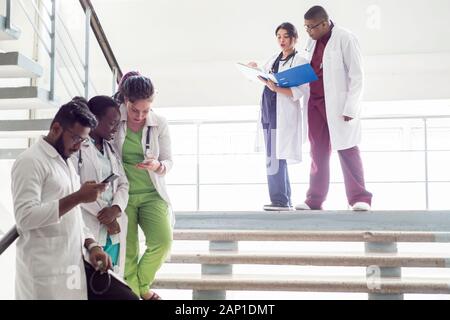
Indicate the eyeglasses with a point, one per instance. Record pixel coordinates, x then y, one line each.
309 28
76 139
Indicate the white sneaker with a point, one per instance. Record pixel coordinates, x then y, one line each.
276 208
361 206
302 207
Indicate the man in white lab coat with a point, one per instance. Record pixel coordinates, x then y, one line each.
52 236
333 110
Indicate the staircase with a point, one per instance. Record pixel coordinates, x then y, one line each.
16 66
51 34
379 232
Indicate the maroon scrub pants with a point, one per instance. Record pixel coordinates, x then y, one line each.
319 137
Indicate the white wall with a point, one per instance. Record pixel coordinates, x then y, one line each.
189 47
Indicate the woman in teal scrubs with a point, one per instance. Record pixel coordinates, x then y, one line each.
96 160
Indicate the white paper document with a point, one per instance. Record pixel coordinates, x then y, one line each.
252 73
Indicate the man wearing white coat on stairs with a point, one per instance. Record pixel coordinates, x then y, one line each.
46 193
334 108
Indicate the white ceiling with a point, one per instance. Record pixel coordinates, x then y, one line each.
189 47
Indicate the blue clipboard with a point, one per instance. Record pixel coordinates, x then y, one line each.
296 76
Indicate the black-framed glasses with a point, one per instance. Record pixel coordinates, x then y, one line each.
76 139
309 28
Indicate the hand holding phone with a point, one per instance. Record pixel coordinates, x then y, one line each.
148 164
110 178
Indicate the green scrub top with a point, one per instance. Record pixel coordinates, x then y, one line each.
132 154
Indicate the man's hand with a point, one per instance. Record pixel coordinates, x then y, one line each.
113 228
90 191
252 64
99 259
347 119
108 215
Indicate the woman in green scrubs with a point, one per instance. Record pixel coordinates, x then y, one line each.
143 142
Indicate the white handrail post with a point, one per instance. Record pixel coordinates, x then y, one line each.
197 178
427 190
86 52
53 51
114 80
8 14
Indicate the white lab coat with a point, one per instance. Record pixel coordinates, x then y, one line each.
49 258
291 124
343 84
160 148
89 170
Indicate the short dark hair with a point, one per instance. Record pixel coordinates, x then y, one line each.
135 88
73 112
98 105
290 28
317 13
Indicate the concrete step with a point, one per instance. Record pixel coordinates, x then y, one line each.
328 236
16 65
25 98
10 154
322 259
24 127
337 221
301 283
12 33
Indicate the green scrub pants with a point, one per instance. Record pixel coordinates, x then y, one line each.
150 212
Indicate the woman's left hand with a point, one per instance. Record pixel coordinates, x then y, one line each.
149 164
272 85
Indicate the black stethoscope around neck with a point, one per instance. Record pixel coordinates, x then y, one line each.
147 141
147 149
288 58
80 155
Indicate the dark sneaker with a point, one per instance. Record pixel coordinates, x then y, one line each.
275 207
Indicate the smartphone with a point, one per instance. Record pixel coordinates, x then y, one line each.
110 178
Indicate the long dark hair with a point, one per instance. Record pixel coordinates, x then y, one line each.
290 28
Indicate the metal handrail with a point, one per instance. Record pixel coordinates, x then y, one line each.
51 32
8 14
36 30
102 39
426 150
87 6
8 239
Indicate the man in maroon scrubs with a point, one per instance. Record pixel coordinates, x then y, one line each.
334 110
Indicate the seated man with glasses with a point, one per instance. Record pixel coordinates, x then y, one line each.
52 235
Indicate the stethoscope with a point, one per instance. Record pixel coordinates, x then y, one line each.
80 156
99 274
147 142
279 59
147 150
